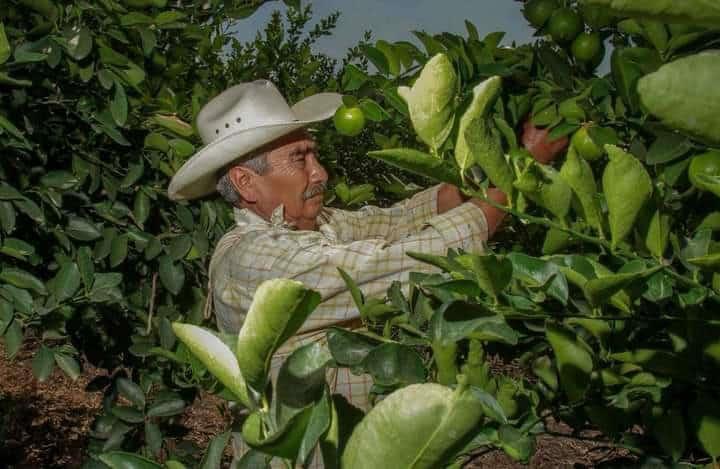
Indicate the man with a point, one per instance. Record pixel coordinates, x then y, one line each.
261 159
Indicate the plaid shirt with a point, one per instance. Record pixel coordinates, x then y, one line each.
370 244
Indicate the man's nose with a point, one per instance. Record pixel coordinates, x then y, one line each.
317 171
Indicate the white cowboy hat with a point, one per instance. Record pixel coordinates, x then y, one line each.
236 122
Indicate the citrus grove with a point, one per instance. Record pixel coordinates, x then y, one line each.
603 286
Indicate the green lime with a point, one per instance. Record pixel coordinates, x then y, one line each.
586 47
537 12
349 120
585 145
597 17
564 25
571 110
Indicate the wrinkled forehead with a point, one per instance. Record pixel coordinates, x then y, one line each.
300 140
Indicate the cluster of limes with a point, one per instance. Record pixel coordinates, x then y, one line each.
566 26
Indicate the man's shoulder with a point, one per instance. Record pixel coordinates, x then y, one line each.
236 241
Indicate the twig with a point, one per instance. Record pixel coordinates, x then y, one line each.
152 303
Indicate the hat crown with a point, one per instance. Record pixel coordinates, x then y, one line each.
241 107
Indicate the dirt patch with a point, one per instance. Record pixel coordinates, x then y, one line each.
44 425
560 450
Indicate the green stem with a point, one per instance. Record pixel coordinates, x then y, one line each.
539 220
590 239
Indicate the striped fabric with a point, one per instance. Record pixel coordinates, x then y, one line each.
370 244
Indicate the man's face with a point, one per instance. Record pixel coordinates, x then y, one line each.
295 179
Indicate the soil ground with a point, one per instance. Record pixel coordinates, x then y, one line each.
45 425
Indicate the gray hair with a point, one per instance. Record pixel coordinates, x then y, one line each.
258 163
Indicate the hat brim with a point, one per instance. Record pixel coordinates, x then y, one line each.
198 176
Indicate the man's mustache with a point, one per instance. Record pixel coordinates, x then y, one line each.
314 190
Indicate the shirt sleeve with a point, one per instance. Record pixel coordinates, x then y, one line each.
391 223
373 263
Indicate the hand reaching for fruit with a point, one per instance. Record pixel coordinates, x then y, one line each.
536 141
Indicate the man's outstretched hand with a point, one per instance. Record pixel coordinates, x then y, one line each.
536 141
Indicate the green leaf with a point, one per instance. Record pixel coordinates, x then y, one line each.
667 147
6 315
5 50
377 58
458 320
431 101
172 274
284 441
393 364
81 229
68 364
705 416
574 359
710 261
420 163
66 282
668 11
122 460
166 408
153 437
119 105
17 248
214 454
7 217
216 356
576 171
517 445
131 391
13 339
627 187
86 266
352 78
682 95
439 418
79 42
539 273
23 279
118 250
173 124
127 414
300 381
43 363
600 290
478 141
372 110
278 310
349 348
657 233
318 424
669 431
181 147
544 186
492 273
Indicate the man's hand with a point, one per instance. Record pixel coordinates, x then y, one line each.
493 215
450 197
535 140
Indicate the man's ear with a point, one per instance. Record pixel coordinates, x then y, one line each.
243 179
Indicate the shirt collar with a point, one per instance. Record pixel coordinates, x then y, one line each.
244 216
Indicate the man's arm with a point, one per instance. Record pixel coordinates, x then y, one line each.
542 149
373 263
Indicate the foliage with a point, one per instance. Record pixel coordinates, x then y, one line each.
612 312
605 293
97 102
